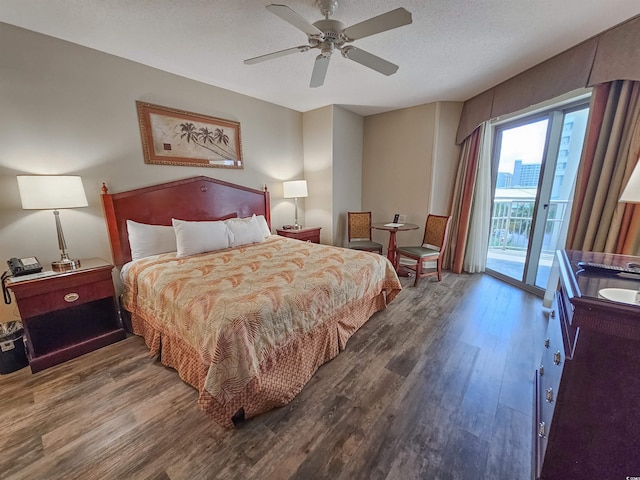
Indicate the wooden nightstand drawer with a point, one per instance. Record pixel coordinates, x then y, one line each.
65 298
311 234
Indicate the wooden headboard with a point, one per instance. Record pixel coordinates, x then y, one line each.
196 198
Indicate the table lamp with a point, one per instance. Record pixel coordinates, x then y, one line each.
631 193
295 189
52 192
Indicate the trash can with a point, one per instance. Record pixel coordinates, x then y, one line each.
12 354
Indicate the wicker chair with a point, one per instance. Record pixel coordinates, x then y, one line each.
434 242
360 232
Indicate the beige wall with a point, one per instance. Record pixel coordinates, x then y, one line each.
409 164
318 170
332 168
348 129
67 109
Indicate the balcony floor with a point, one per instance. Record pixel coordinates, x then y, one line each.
511 263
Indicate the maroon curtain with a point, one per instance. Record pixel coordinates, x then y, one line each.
599 223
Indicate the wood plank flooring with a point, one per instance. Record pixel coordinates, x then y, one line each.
438 386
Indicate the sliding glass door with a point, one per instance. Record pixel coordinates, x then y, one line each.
535 161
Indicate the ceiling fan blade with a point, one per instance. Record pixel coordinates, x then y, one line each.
319 71
289 16
387 21
281 53
369 60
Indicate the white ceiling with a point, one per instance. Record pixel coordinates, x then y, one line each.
452 51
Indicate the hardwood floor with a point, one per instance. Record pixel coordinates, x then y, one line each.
440 385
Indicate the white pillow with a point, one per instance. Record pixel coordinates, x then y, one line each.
146 240
263 225
199 237
245 231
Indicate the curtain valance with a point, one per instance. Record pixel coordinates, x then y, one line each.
611 55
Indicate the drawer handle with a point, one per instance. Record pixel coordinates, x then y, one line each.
541 370
546 343
71 297
552 314
549 395
542 430
557 358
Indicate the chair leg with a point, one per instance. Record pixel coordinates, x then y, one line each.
418 272
439 268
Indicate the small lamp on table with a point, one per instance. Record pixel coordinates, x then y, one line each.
295 189
53 192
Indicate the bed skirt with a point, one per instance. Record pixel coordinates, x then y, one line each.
282 375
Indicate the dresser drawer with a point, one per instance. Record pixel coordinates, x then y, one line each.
569 330
65 298
540 433
553 354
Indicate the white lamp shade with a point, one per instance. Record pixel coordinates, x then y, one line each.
51 192
295 189
631 193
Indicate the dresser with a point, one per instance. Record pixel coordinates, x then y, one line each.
67 314
587 388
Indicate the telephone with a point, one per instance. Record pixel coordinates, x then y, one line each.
18 266
24 266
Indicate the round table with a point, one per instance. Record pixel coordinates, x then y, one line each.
401 227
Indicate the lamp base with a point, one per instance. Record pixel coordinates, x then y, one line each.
65 265
297 227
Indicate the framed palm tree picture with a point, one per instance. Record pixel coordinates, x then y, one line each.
175 137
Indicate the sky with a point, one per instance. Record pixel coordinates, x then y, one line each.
524 143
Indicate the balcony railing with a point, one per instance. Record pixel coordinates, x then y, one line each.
511 225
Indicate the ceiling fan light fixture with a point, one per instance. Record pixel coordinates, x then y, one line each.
327 49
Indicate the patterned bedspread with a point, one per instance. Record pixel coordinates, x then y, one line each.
249 326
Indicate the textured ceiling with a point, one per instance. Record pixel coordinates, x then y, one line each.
452 50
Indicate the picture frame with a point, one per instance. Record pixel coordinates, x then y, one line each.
176 137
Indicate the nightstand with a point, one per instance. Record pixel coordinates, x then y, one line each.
67 314
311 234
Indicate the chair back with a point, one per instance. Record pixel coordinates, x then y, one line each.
359 225
436 230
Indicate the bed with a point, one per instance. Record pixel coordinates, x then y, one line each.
247 324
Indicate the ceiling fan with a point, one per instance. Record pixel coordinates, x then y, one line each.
329 35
